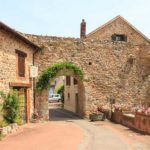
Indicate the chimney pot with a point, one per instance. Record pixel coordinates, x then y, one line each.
83 29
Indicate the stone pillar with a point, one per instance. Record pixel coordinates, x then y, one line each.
42 105
83 29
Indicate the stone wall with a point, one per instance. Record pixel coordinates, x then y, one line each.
111 69
9 61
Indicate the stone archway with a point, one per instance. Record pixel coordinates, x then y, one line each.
68 69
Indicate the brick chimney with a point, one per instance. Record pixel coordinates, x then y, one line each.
83 29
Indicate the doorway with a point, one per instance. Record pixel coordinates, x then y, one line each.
22 93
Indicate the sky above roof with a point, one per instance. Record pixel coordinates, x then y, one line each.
63 17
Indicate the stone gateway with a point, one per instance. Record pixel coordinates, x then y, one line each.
115 61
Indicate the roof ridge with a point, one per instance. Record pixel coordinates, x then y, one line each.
119 16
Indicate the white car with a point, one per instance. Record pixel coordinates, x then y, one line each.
54 97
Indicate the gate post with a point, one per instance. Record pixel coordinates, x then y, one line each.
42 105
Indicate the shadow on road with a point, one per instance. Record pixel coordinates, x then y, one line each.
59 114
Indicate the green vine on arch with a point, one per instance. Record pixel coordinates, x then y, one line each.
52 71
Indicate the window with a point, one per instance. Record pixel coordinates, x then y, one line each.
21 63
119 37
68 96
75 81
68 80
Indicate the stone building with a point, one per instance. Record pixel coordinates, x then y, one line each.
112 58
115 60
118 28
16 57
71 96
56 84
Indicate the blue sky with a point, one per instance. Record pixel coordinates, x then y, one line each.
63 17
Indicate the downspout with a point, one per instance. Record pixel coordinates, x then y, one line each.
34 83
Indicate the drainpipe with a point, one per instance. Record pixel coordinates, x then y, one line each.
34 86
34 80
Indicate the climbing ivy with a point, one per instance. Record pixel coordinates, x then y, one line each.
52 71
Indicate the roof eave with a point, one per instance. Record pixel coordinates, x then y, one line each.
36 47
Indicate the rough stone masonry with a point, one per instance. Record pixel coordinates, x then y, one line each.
111 69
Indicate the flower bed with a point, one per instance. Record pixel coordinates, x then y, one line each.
97 117
128 120
140 121
117 116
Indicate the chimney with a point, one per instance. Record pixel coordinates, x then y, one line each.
83 29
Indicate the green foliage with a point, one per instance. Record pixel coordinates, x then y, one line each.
3 123
18 120
52 71
61 92
11 107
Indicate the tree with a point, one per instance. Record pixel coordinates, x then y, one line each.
61 92
11 107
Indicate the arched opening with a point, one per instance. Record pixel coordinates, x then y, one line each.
74 103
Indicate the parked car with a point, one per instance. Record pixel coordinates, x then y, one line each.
54 98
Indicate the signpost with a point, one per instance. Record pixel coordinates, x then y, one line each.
33 71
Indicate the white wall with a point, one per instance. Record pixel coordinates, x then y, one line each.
70 103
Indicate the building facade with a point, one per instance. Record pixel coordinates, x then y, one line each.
71 95
114 58
16 57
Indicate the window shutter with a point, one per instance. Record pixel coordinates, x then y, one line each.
21 65
68 81
113 37
75 81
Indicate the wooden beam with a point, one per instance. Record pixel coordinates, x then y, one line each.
17 84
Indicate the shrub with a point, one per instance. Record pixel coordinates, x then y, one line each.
3 123
11 107
61 92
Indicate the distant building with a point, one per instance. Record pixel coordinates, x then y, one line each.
16 57
71 94
55 85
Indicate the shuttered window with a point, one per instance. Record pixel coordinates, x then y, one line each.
68 80
75 81
21 63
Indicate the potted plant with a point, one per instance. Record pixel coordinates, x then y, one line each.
97 116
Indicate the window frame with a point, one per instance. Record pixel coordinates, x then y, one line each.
21 66
68 80
119 38
75 81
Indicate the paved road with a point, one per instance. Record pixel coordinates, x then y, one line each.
52 135
97 137
65 131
